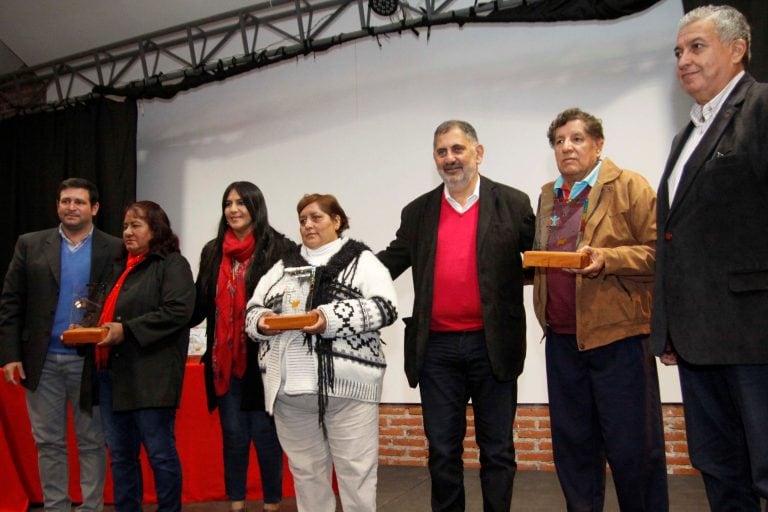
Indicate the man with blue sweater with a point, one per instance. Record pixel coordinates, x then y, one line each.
48 269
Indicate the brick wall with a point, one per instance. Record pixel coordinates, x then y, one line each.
402 441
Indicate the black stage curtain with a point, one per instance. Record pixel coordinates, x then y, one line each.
756 12
95 140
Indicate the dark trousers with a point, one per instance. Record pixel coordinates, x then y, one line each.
726 416
125 432
239 429
604 404
457 368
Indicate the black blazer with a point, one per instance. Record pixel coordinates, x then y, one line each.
205 309
31 294
505 229
155 305
711 290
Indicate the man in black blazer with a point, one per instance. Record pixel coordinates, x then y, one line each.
466 337
47 269
710 313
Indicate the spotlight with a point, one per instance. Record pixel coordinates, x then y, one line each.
384 7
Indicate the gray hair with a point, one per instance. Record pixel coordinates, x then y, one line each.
729 23
449 125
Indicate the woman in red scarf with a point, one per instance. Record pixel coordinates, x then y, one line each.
141 361
230 266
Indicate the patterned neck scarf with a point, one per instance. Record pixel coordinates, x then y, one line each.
229 350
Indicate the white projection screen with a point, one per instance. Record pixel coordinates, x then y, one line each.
357 121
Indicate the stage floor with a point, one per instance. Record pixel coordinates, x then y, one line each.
406 489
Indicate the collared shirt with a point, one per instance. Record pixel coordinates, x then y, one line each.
69 244
701 116
588 181
472 199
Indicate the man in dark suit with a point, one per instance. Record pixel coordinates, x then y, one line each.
710 313
47 270
466 337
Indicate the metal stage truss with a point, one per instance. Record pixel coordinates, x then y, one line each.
161 63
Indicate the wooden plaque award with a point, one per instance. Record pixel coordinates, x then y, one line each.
288 322
84 335
556 259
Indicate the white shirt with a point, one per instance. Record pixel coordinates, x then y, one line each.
702 117
472 199
69 244
320 256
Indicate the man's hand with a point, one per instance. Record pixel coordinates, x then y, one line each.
14 373
596 262
669 356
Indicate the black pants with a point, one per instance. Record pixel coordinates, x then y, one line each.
726 416
457 368
604 404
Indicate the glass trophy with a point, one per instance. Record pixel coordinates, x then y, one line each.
297 297
87 301
297 301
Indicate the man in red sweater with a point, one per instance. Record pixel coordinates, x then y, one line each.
466 337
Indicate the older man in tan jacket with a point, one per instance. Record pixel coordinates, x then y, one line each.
602 382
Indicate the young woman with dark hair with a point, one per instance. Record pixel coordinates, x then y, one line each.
245 247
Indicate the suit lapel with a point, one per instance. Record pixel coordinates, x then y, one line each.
52 253
100 257
709 142
486 202
662 202
426 232
430 221
674 153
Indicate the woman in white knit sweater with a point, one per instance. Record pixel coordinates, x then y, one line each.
323 383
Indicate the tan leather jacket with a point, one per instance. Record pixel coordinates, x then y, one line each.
621 220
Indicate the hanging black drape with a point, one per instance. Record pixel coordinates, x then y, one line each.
95 140
756 12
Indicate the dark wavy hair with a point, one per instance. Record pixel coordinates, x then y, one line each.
164 240
329 205
592 125
268 251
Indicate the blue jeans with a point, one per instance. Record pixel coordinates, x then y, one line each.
457 368
239 428
125 432
726 411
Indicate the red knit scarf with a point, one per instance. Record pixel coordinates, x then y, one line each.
229 349
108 311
